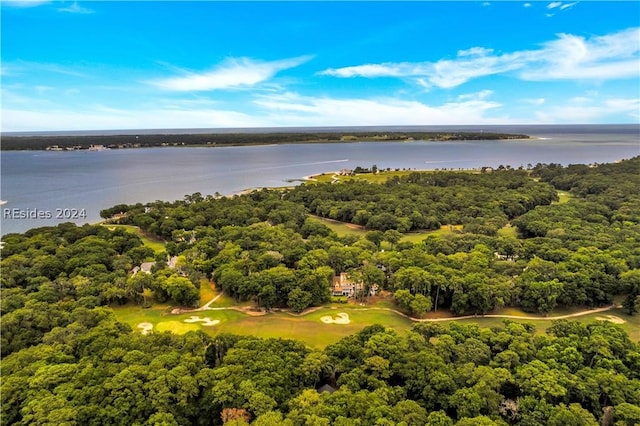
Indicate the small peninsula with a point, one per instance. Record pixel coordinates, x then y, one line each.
98 142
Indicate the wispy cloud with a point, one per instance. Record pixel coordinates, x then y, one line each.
534 101
15 120
20 67
612 56
568 5
23 3
587 110
558 5
527 5
231 74
76 8
293 109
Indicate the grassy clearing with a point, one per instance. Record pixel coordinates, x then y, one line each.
176 327
508 231
379 177
153 243
310 329
631 325
207 291
343 229
339 228
163 320
563 196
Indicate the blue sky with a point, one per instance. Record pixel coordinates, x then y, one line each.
70 65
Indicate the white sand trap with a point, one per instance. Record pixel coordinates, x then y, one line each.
145 327
612 318
341 318
204 321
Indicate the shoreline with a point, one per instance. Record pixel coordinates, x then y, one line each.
102 143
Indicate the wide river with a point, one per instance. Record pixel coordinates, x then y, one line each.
56 183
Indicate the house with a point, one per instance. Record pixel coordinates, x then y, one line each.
326 388
146 267
172 261
342 286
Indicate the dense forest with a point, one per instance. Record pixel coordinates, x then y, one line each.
214 139
67 360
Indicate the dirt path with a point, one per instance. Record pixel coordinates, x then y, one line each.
559 317
207 307
208 304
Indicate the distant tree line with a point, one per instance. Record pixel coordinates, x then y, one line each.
213 139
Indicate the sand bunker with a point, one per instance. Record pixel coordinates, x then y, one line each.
145 327
612 318
341 318
204 321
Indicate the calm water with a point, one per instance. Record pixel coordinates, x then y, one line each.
47 181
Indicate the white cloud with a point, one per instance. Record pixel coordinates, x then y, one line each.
401 69
586 110
534 101
231 74
296 110
20 67
527 5
612 56
24 3
76 8
554 4
567 6
16 120
608 57
483 94
486 4
266 110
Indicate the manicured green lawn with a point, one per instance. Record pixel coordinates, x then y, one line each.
153 243
310 329
339 228
631 324
162 320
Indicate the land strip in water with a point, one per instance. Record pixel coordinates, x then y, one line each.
95 142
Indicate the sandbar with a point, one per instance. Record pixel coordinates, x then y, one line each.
341 318
145 327
204 321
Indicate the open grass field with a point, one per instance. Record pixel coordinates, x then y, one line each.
153 243
379 177
564 196
343 229
163 320
207 291
631 324
508 231
339 228
310 329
